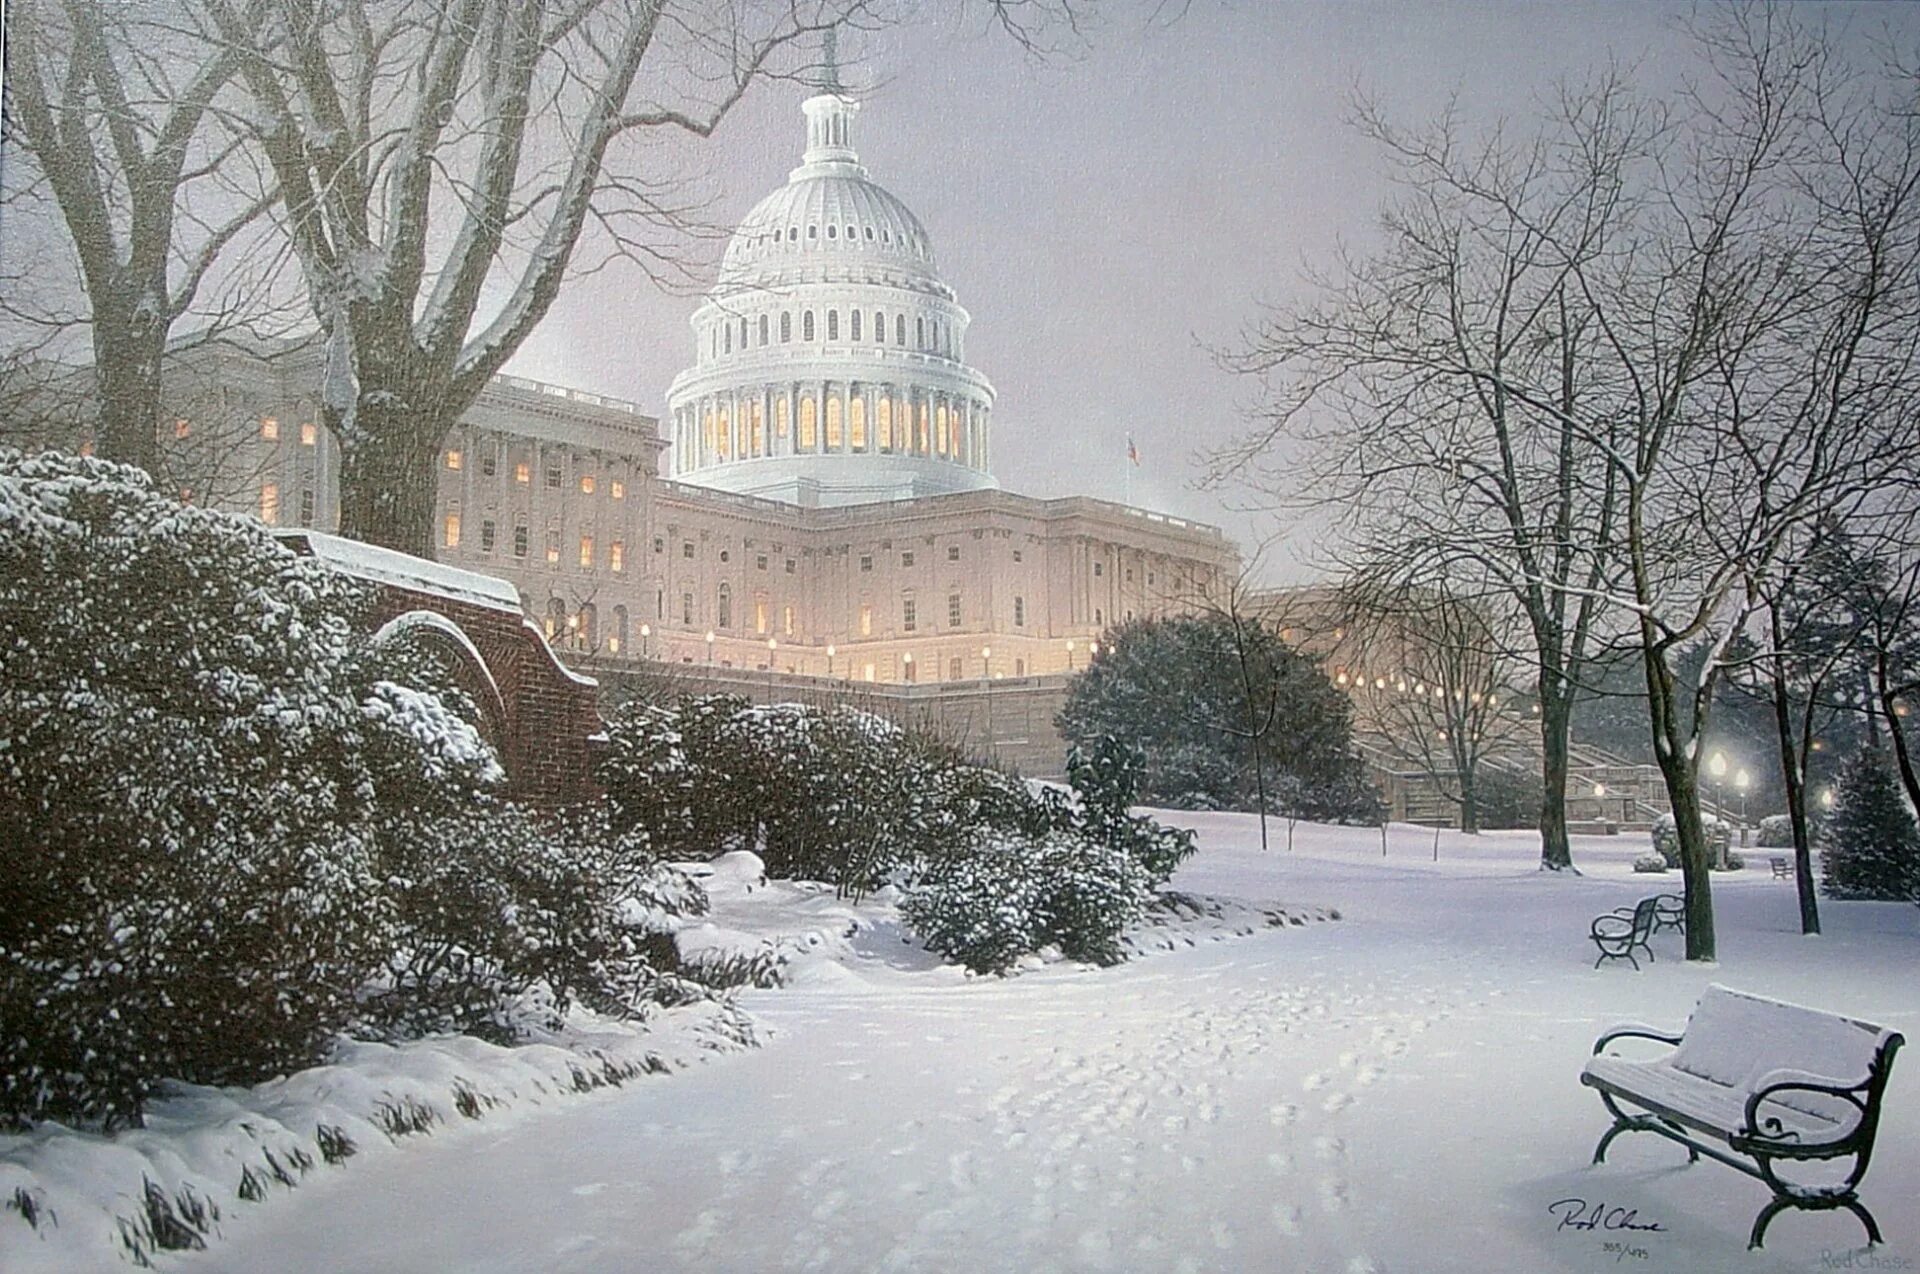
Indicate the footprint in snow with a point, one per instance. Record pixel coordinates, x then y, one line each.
1330 1147
1369 1075
1223 1235
1333 1194
1394 1048
1286 1218
960 1171
1336 1103
1318 1079
1283 1114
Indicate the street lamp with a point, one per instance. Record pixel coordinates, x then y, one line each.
829 659
1069 654
986 664
1717 766
906 663
1826 799
1093 651
1743 781
709 645
646 640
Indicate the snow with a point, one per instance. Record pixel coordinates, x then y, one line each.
1396 1089
387 566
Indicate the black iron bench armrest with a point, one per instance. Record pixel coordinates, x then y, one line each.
1633 1030
1787 1080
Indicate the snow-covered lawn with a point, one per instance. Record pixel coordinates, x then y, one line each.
1397 1090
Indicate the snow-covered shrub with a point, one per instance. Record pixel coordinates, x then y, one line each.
1005 896
1666 838
192 887
1650 863
1106 779
1776 832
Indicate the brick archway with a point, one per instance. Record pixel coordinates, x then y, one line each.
467 668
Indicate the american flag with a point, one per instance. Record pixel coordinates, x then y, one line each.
1133 452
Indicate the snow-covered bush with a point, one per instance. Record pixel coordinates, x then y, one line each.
1106 778
1666 838
1776 832
1650 863
193 886
1003 897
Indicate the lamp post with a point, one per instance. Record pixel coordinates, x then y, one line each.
709 647
829 660
1599 799
986 663
906 665
646 641
986 667
1742 781
1717 766
1069 654
772 645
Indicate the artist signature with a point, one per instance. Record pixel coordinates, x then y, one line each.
1578 1214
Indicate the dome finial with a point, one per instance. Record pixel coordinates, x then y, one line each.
829 115
830 62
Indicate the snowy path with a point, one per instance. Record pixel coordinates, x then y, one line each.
1396 1091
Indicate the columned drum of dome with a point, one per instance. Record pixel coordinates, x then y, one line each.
829 357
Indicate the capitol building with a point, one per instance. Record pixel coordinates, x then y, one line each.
817 498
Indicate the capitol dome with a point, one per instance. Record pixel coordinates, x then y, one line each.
829 362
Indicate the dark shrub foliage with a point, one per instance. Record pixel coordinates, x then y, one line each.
1869 847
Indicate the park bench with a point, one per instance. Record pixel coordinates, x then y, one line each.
1782 868
1772 1081
1625 930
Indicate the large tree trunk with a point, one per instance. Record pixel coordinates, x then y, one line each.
1556 715
1889 700
127 375
1674 745
389 473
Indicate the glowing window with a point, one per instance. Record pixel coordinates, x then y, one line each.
780 416
617 556
451 534
586 550
833 423
806 424
619 489
883 418
857 424
270 503
866 621
522 473
586 484
182 428
270 428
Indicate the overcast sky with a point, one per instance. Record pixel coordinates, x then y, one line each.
1107 216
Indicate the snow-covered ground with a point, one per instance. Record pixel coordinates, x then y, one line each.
1396 1090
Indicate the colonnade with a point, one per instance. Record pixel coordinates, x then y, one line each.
829 418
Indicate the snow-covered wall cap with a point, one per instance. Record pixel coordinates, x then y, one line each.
403 570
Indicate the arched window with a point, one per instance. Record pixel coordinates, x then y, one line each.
758 428
857 422
763 329
793 234
920 442
723 436
883 422
940 429
806 326
617 639
728 337
833 422
806 423
780 416
743 334
723 617
853 334
833 325
899 329
586 630
786 326
920 334
833 232
879 328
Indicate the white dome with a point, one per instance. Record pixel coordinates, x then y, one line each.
829 362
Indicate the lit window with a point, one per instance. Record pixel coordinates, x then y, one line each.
308 434
617 557
786 621
833 423
452 530
866 673
86 448
586 550
857 424
270 428
619 491
453 459
759 615
866 621
586 484
553 548
182 427
806 424
270 503
522 473
883 415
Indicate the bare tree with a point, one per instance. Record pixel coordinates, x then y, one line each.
117 108
1437 678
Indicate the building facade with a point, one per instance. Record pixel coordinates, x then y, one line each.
819 501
